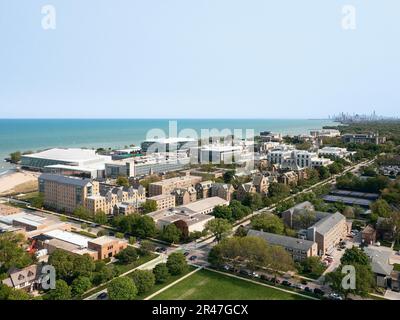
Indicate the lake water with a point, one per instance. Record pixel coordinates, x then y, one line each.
37 134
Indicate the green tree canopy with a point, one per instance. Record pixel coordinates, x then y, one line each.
122 181
268 222
122 288
218 227
171 233
80 285
161 272
61 292
12 255
177 263
144 280
149 206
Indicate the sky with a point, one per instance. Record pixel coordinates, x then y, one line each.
198 59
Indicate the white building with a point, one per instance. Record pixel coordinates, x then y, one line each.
334 151
331 133
303 159
86 159
191 217
145 165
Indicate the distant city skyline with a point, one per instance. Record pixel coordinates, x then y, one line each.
175 59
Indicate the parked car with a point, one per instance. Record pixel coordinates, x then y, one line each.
299 286
245 272
318 291
102 296
255 274
186 253
307 289
335 296
192 258
286 283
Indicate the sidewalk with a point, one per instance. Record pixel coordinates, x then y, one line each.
172 284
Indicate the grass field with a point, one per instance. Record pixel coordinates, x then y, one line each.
210 285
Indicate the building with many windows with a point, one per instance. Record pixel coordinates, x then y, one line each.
299 249
167 186
66 194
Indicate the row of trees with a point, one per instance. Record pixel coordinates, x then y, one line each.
252 253
364 277
140 282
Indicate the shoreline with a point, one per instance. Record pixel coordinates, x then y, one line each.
20 181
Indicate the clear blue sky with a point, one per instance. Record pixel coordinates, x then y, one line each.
198 59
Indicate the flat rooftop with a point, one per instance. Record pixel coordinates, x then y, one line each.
279 240
72 238
205 204
104 240
67 154
347 200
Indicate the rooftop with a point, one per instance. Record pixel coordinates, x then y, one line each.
67 154
103 240
326 224
205 204
65 179
69 237
279 240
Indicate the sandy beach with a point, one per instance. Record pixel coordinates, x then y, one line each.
16 182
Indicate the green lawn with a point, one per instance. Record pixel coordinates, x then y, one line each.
206 284
159 286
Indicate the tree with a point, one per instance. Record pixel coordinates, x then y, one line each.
218 227
102 273
38 201
171 233
354 255
304 220
313 266
16 294
223 212
122 181
253 201
253 251
147 246
100 217
80 285
239 211
4 291
161 272
128 255
102 233
268 222
335 168
12 255
229 176
83 265
15 156
364 280
149 206
278 259
137 225
177 263
323 173
122 288
144 280
279 190
348 212
82 213
61 292
381 208
63 262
